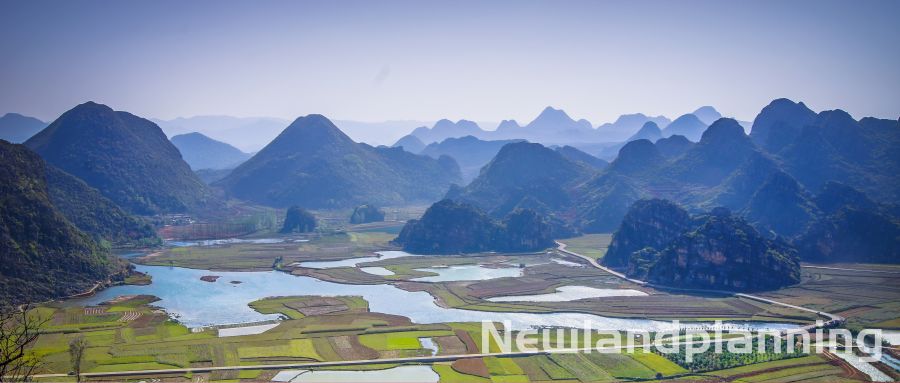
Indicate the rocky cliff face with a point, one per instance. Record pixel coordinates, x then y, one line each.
660 242
649 223
852 235
725 253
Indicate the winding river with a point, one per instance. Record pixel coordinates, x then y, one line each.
197 303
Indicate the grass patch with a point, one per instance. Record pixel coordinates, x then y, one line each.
406 340
449 375
502 366
657 363
591 245
294 348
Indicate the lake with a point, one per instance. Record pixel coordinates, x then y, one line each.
467 273
197 303
353 262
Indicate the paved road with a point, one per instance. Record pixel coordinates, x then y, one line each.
445 358
846 269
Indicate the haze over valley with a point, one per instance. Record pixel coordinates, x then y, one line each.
469 192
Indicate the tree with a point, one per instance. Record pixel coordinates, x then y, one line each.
298 220
19 329
76 353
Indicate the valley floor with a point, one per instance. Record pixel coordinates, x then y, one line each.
134 333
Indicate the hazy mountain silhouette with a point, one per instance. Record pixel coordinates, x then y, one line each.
17 128
469 152
673 146
555 126
445 129
127 158
315 165
628 125
249 134
410 143
687 125
707 114
650 131
202 152
507 129
637 156
575 155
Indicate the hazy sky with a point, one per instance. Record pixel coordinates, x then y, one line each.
375 60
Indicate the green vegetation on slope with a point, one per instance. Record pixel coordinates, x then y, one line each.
43 255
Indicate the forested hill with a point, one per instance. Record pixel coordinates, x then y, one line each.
42 254
125 157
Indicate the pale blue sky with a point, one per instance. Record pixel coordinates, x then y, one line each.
374 60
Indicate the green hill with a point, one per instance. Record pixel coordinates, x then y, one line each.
313 164
450 227
125 157
42 254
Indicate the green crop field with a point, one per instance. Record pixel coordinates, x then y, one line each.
296 348
592 245
407 340
449 375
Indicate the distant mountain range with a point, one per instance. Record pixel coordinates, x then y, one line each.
314 165
469 152
554 127
247 133
250 134
202 152
628 124
773 190
127 158
410 143
551 127
17 128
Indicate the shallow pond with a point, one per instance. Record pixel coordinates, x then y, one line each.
196 303
246 330
353 262
570 293
566 263
399 374
874 374
377 271
467 273
229 241
428 344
